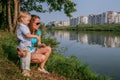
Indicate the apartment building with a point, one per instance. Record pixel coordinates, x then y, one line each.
91 19
83 20
108 17
65 23
117 18
79 20
74 21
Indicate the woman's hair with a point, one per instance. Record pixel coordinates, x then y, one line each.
33 17
23 14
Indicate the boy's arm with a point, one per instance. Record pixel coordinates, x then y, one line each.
21 53
27 33
32 36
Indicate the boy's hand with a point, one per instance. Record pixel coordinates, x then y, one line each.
38 37
21 53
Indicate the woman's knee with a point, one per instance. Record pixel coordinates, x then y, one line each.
38 59
49 49
42 59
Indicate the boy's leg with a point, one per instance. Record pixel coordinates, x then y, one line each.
25 64
27 61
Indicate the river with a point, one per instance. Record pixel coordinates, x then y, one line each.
99 50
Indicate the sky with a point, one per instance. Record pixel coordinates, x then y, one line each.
84 8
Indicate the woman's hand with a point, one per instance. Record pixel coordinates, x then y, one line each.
39 40
41 45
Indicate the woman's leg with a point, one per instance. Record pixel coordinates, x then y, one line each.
45 51
37 58
41 56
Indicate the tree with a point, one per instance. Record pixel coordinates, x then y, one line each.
9 15
53 5
2 13
14 6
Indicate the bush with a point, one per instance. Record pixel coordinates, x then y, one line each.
69 67
72 68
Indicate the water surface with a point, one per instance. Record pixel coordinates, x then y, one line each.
101 51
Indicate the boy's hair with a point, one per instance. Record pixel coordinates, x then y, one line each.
23 14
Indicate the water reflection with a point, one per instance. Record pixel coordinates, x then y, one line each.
90 38
87 47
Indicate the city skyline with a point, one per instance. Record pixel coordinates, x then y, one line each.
84 8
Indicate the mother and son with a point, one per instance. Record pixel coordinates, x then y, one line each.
29 34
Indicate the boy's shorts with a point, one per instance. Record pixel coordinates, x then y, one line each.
33 50
26 49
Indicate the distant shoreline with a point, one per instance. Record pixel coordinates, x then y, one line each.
105 27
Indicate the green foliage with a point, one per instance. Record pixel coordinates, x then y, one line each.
72 68
53 5
88 27
69 67
8 70
50 41
3 16
9 45
31 5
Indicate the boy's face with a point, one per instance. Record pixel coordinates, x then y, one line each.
26 20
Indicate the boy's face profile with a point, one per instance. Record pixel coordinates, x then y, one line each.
26 20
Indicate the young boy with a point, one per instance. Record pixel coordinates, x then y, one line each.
24 37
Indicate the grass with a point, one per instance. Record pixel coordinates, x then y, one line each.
71 68
8 70
86 27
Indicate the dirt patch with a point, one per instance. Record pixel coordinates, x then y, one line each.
35 75
10 71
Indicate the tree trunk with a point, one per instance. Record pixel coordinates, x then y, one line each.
15 14
9 17
19 4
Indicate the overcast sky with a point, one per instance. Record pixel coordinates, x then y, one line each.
84 8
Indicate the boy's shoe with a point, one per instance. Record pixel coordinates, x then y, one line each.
26 73
43 70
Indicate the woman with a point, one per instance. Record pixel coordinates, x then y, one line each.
42 52
41 55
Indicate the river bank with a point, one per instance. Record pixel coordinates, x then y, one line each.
71 68
105 27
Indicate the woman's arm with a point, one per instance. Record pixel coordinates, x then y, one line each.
40 44
39 41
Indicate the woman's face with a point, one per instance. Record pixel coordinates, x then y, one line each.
36 23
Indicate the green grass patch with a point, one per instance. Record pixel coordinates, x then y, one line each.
71 67
88 27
